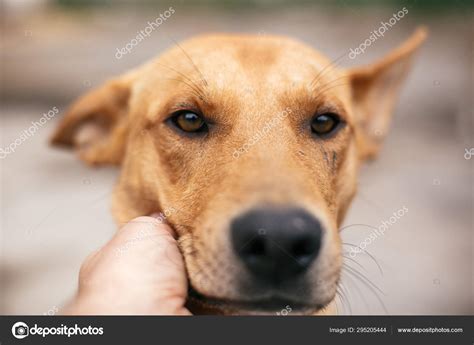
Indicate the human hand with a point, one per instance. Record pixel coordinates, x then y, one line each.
139 271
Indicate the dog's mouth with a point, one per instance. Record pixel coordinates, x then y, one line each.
269 306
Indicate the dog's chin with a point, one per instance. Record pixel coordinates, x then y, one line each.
200 304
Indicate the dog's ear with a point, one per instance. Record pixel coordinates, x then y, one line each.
375 90
95 124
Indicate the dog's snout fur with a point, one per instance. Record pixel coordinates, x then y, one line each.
258 97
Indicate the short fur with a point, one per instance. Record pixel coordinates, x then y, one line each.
241 83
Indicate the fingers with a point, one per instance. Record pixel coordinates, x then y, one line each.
139 271
161 219
145 225
151 244
143 233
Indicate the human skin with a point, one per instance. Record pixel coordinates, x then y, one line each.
140 271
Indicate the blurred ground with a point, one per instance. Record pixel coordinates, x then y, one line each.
55 211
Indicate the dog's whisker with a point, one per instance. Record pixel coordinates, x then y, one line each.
359 292
328 67
191 60
374 292
354 261
184 76
335 303
341 302
321 92
344 295
336 300
195 92
366 252
357 224
367 283
332 81
362 276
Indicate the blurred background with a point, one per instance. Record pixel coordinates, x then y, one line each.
55 210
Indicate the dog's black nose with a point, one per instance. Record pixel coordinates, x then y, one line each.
276 244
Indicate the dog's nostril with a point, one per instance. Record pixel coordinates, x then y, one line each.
288 245
254 248
302 248
303 251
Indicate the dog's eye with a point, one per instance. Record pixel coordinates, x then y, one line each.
324 123
189 121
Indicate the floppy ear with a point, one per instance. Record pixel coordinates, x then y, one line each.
375 89
95 124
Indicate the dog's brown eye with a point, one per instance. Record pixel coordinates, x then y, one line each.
325 123
189 122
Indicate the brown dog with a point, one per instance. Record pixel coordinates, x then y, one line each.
251 147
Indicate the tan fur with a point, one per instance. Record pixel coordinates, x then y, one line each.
241 83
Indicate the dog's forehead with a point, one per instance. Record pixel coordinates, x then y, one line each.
250 60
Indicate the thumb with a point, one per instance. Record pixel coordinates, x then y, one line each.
149 249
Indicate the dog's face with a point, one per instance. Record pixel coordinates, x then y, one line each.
250 147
